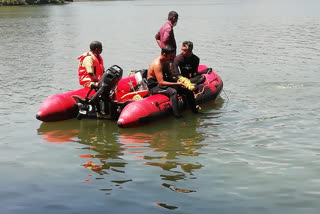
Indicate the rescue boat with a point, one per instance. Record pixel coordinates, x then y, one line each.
124 99
157 106
64 106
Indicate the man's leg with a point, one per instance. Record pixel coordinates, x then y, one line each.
171 93
190 98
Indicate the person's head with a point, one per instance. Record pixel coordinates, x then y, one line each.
96 47
173 17
168 53
187 48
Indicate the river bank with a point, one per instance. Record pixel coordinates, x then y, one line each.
31 2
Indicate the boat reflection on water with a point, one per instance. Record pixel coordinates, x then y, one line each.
172 145
168 143
59 132
102 149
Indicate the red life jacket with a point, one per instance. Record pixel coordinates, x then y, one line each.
98 69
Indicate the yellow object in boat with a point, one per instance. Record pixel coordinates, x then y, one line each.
186 82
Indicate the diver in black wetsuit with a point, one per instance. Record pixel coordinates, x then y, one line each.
187 63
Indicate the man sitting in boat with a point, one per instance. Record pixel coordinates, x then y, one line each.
186 64
157 83
90 68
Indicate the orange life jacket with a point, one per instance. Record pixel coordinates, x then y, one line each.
98 69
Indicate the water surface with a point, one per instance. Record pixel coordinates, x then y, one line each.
254 151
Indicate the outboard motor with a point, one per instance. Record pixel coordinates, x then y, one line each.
89 107
108 82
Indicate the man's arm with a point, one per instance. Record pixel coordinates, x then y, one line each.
195 66
158 39
176 63
159 77
88 64
93 77
166 35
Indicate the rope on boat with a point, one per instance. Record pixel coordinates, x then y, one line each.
208 83
135 95
131 73
225 94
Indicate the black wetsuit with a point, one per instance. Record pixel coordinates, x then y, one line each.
188 67
172 92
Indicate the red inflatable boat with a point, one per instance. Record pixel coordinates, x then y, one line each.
129 100
156 106
61 106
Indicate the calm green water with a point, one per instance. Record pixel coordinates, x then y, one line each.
255 151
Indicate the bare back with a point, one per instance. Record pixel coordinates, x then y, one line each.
154 70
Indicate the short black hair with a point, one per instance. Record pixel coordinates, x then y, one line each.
172 14
167 49
95 45
189 44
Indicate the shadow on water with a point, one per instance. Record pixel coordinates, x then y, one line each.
170 145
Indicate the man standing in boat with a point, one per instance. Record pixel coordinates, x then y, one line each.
187 63
165 35
158 84
90 68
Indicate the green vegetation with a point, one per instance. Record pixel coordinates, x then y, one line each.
28 2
